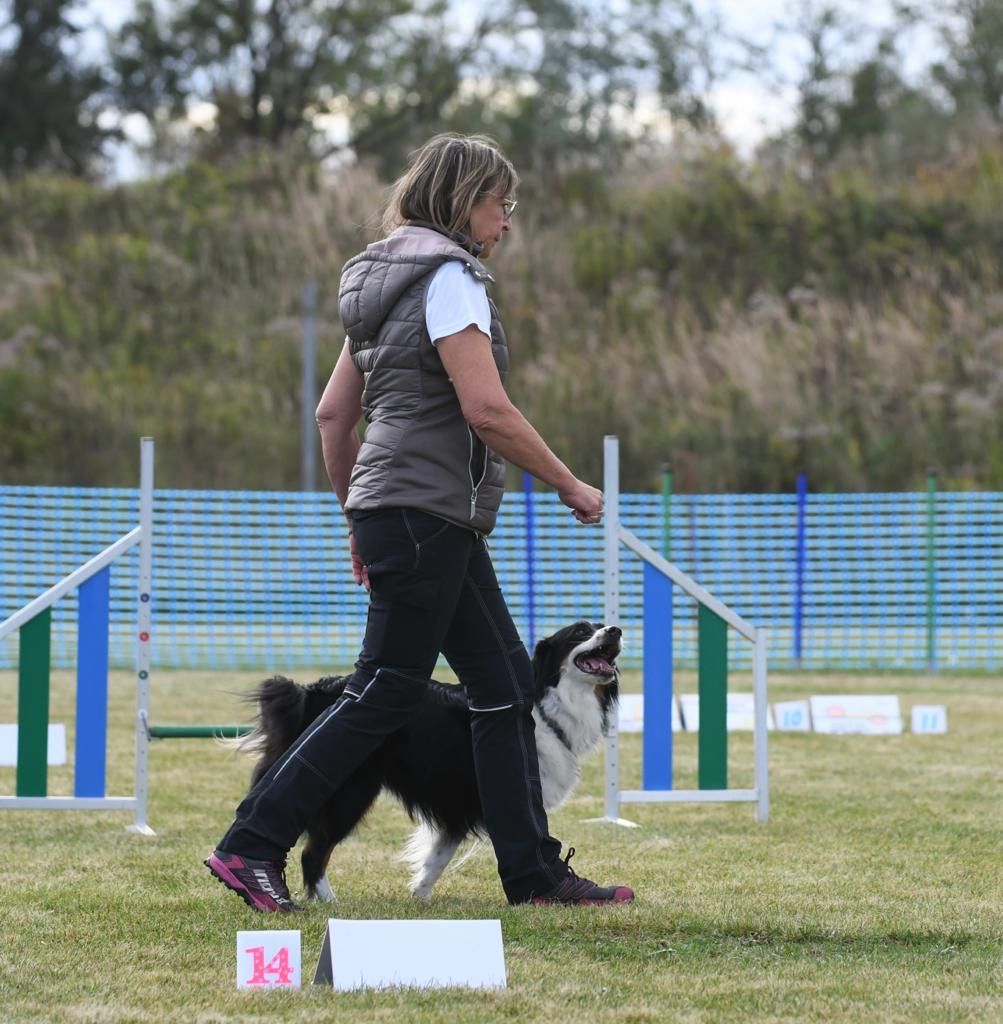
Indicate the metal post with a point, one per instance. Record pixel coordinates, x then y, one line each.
611 562
611 541
667 512
799 569
760 698
144 618
931 571
527 490
308 476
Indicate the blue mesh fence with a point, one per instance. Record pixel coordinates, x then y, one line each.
261 579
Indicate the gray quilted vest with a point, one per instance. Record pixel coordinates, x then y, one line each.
418 452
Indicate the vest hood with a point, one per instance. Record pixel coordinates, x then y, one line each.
373 282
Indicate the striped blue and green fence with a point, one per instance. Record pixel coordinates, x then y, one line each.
260 580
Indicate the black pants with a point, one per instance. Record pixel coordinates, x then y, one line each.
434 590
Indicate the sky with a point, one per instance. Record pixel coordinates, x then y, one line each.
748 108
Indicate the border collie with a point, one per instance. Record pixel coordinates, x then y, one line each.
429 764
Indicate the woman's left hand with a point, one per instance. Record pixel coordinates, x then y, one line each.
360 573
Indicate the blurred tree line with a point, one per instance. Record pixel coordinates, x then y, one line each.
832 303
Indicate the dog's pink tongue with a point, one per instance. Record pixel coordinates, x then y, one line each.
597 665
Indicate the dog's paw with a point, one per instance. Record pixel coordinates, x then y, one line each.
322 891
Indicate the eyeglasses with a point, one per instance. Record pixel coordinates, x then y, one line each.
508 207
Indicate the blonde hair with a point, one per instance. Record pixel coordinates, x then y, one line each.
446 178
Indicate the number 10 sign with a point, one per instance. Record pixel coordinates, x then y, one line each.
268 959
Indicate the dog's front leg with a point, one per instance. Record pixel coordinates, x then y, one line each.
322 891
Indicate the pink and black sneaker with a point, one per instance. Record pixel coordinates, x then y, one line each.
575 891
261 884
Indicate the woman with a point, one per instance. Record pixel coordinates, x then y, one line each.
425 359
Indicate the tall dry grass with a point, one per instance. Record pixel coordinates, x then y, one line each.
745 330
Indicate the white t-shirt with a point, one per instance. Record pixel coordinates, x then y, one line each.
455 299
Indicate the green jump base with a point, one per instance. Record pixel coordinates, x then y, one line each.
196 732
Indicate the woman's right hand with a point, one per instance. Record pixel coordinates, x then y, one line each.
584 500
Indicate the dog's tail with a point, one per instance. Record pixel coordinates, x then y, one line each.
281 707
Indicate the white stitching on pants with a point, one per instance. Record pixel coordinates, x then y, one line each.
482 604
501 707
542 828
294 751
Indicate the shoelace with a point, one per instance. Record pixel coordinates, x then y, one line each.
572 876
280 866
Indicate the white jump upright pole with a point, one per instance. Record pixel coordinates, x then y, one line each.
760 705
611 541
144 619
611 562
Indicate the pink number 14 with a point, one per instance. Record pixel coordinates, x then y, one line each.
277 966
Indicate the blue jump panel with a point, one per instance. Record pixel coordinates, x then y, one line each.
657 766
92 686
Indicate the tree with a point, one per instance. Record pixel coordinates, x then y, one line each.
49 97
555 80
563 89
819 84
271 71
972 72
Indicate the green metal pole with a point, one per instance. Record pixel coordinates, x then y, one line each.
667 512
33 706
712 684
931 570
174 732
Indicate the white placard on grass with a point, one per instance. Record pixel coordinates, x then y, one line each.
929 719
741 716
8 744
868 714
792 716
631 717
416 954
269 959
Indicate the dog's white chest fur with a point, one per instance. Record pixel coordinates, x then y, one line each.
569 726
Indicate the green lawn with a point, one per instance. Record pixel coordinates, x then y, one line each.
874 893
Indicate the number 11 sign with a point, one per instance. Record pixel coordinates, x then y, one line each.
268 959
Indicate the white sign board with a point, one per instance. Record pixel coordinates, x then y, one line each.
269 959
741 714
929 719
8 744
631 718
419 954
792 716
869 715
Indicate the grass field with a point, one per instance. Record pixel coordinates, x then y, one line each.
874 893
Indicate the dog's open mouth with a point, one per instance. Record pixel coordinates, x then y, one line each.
598 662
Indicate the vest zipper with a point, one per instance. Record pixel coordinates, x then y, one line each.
474 487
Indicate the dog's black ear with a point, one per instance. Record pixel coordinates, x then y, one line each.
546 665
540 653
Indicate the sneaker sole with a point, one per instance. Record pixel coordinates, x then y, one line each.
224 876
622 895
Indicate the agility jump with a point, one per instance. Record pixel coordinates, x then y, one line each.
34 622
714 619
